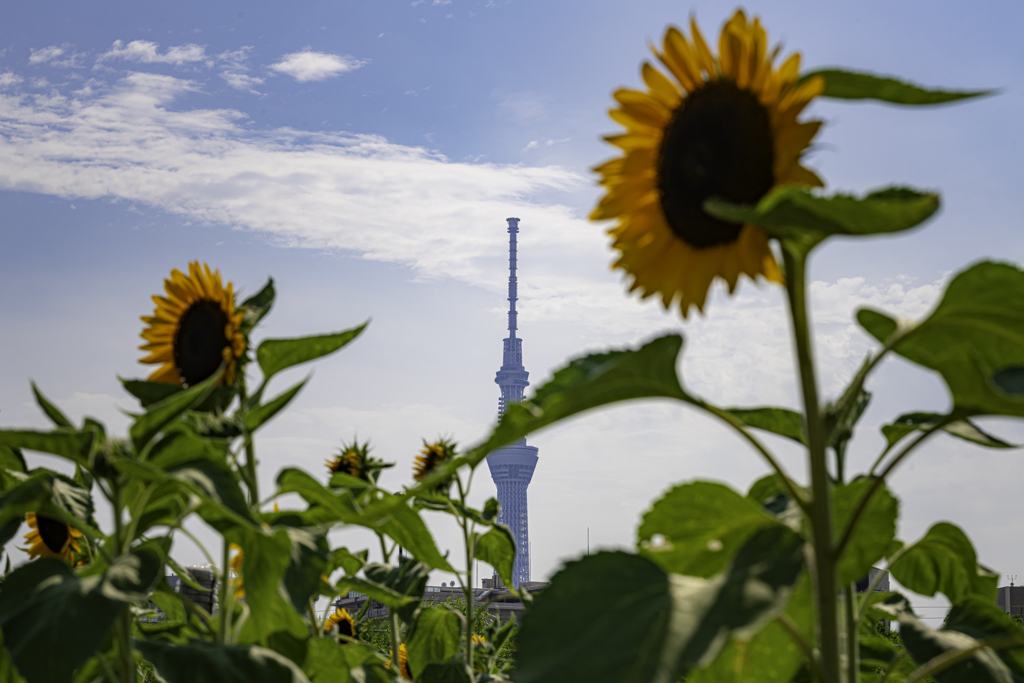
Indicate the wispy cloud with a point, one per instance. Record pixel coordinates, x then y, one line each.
236 63
240 81
147 52
45 54
308 65
57 55
533 144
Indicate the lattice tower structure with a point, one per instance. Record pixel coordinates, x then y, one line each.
512 466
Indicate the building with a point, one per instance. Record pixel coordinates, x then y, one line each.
1011 599
512 466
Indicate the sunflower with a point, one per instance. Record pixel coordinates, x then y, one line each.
403 663
349 461
432 455
194 328
345 623
236 569
51 538
725 127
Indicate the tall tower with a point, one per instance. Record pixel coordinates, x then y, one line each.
512 466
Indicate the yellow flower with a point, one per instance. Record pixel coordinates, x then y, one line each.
431 457
479 640
403 663
236 569
349 462
345 623
194 328
724 127
51 538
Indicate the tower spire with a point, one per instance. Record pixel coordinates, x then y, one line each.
512 466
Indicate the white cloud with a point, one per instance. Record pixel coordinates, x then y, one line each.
240 81
45 54
8 78
315 66
146 52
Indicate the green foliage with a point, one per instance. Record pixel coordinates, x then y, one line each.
944 561
850 85
435 637
201 662
974 337
275 355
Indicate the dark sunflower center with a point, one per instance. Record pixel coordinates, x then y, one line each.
345 628
200 341
53 532
718 144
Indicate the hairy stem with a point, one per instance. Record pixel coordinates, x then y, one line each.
250 450
225 587
821 493
805 647
852 644
467 586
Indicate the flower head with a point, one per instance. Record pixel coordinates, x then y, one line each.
723 127
431 457
194 328
51 538
345 624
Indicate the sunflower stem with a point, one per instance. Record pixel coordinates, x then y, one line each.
251 477
225 587
826 585
467 587
852 644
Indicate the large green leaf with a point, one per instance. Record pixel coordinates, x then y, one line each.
771 655
329 662
964 429
47 493
781 421
875 528
663 624
160 414
974 338
434 638
262 414
52 411
408 578
702 525
497 548
275 355
585 383
68 444
310 555
801 215
202 662
454 671
150 393
389 514
267 555
944 561
969 623
851 85
52 621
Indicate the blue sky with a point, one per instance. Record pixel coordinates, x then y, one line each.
367 154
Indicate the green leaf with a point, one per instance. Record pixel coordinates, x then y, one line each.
150 393
798 214
259 304
50 494
944 561
434 638
267 556
449 672
52 621
74 446
585 383
663 624
963 429
969 622
309 558
974 336
874 531
275 355
260 415
851 85
408 578
202 662
347 560
12 460
52 411
702 526
385 595
497 548
160 414
781 421
771 655
329 662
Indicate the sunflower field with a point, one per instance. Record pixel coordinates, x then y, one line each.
723 585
